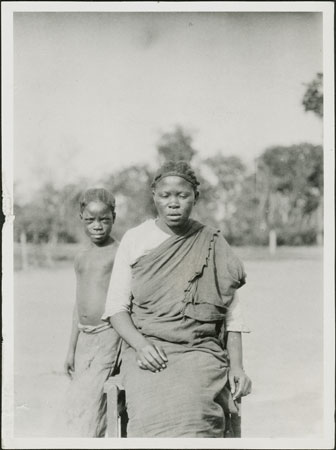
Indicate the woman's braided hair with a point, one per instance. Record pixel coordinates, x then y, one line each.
176 168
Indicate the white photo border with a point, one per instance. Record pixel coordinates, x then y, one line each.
8 9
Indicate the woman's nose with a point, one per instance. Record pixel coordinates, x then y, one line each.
173 203
97 225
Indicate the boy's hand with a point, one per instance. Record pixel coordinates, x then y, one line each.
69 365
240 383
151 357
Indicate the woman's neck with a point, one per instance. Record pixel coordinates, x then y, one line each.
179 230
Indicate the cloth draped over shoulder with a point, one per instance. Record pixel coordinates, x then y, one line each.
197 272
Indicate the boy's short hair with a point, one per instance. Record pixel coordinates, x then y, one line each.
97 194
176 168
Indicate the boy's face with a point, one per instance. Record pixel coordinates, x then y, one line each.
97 219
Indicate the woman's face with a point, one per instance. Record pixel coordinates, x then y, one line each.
174 198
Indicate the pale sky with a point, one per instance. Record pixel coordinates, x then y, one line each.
93 91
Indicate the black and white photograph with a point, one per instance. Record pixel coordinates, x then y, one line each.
168 243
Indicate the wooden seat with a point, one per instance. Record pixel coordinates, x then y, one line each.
233 422
116 407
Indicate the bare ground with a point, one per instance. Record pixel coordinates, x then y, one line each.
283 304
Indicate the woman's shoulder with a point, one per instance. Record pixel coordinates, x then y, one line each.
139 231
141 239
216 231
213 231
141 228
221 244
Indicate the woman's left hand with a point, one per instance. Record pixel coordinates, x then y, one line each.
240 383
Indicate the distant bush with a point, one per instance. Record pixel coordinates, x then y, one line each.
297 238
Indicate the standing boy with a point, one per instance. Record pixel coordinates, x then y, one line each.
93 343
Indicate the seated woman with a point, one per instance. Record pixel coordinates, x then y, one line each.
172 289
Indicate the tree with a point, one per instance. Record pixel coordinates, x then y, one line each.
313 97
289 188
52 215
250 227
225 176
131 188
175 146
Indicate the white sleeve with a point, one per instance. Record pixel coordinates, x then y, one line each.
118 297
234 317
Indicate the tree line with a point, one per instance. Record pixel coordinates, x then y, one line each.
284 192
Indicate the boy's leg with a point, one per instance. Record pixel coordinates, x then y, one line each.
68 423
86 402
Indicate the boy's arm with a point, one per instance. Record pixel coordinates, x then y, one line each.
69 365
149 356
240 383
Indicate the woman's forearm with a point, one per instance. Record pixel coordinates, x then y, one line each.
124 326
240 383
235 349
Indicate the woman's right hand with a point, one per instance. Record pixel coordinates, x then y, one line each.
151 357
148 355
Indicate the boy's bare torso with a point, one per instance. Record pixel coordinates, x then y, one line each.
93 269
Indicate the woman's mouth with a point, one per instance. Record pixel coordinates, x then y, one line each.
174 217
